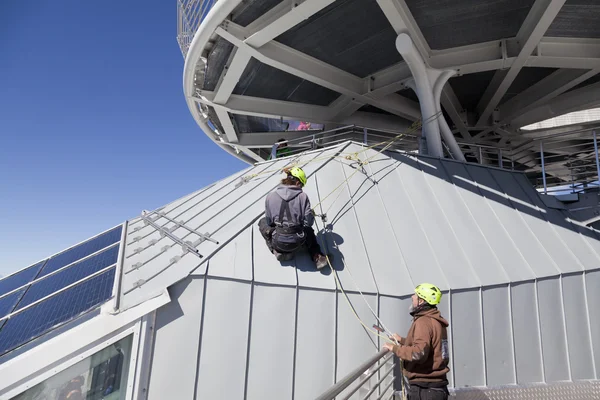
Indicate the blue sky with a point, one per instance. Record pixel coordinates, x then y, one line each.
93 123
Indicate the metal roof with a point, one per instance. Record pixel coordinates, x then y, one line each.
466 225
516 276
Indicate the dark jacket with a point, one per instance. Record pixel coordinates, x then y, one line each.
299 207
425 348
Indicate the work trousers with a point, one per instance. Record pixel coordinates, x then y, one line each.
420 393
310 239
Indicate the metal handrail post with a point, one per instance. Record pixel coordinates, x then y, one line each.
596 154
543 166
500 164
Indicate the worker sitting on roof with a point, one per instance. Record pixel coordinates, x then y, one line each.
288 220
425 348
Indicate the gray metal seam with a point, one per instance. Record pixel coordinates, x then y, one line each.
435 197
442 274
251 305
539 323
200 336
397 164
499 222
483 352
527 224
295 340
512 332
589 319
564 317
450 335
477 223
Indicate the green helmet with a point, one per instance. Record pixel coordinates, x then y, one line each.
297 172
430 293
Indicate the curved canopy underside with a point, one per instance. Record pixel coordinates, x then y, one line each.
259 64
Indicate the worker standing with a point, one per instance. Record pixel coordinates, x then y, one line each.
424 350
287 225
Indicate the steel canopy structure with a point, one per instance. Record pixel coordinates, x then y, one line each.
252 65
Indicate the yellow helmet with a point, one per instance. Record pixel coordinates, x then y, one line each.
297 172
430 293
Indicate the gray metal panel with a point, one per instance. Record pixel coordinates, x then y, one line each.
234 260
414 244
556 391
503 246
345 233
467 339
393 312
553 330
175 353
271 357
455 266
387 263
478 250
535 254
574 236
500 364
444 308
315 343
578 328
266 267
222 365
526 333
592 283
554 244
354 343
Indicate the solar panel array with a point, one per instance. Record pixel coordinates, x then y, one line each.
53 292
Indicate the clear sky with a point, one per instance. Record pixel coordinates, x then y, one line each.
93 123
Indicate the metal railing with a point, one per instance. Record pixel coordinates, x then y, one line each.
374 379
190 14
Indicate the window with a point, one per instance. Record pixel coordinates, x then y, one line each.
103 376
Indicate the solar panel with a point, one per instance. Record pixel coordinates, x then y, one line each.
20 278
69 275
8 302
82 250
55 311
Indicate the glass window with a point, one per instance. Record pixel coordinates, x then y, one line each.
103 376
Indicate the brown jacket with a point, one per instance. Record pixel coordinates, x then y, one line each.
425 348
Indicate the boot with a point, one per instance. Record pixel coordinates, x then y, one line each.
320 261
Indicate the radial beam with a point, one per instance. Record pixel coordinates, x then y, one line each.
548 88
273 23
575 100
529 36
301 65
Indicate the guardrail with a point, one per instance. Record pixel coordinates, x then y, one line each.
373 379
190 14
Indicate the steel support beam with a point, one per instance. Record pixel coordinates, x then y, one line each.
529 36
261 31
401 19
292 61
299 12
548 88
576 100
227 125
